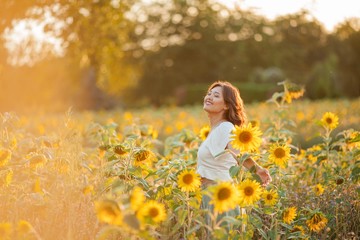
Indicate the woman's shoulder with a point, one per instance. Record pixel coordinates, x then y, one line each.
225 126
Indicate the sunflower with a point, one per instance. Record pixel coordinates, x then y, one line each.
148 131
88 189
330 120
289 215
5 156
121 150
297 229
225 197
204 132
287 97
36 187
353 140
255 123
270 197
108 211
339 180
6 178
318 189
311 158
279 154
189 181
137 198
24 227
37 161
142 156
317 222
292 91
250 192
152 212
246 138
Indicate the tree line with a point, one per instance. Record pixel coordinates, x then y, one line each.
131 53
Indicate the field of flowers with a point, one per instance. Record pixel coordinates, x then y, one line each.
131 174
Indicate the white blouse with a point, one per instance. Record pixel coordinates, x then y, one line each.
213 161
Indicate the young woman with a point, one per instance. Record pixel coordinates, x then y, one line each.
216 156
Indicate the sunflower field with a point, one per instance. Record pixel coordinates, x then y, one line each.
131 174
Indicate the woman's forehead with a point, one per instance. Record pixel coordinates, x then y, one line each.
217 89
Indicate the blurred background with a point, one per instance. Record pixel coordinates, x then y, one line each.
105 54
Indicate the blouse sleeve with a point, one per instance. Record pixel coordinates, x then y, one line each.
220 139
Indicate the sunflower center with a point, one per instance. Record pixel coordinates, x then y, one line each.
249 191
224 194
339 181
245 137
279 153
188 179
142 156
153 212
109 212
329 120
206 133
269 197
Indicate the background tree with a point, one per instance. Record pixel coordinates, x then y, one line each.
133 53
186 45
94 37
345 44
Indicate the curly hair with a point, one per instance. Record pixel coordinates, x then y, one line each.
236 111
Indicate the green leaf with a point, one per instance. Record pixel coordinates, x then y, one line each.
262 233
355 173
231 220
181 213
234 171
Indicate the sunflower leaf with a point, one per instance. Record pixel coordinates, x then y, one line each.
234 171
262 233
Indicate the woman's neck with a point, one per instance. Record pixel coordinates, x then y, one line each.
216 120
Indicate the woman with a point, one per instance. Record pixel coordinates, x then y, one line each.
225 109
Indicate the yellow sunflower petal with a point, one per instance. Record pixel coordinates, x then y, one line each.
151 212
330 120
250 192
279 154
289 215
246 138
225 197
189 181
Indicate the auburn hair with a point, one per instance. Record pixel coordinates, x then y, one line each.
231 94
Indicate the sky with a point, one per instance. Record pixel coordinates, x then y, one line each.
328 12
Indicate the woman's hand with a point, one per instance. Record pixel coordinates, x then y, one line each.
264 175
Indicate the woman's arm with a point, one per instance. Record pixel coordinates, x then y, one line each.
249 163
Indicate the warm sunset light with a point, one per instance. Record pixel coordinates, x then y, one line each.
179 119
328 12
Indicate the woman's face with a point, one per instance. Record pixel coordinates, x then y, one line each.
214 101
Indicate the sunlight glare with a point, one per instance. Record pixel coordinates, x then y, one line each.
27 41
328 12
